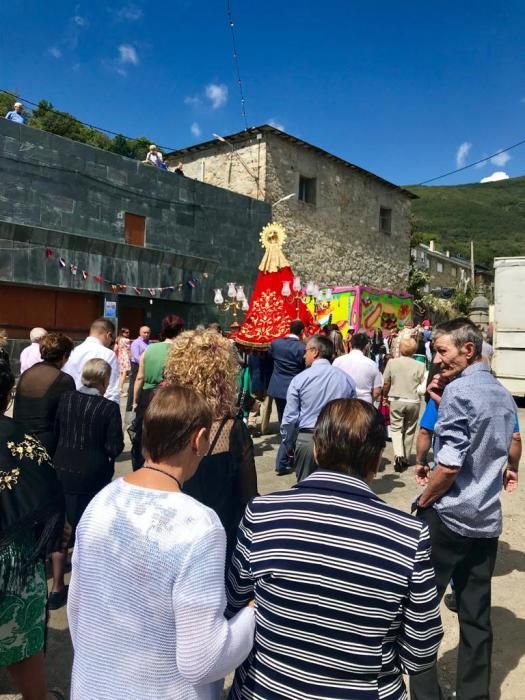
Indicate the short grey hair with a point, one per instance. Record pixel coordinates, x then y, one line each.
323 345
37 334
95 372
462 331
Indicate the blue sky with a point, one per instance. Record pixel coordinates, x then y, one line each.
407 89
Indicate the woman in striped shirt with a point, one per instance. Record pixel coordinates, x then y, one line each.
345 595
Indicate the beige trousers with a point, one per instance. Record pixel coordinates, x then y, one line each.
403 425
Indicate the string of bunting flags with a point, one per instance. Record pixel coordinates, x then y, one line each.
117 287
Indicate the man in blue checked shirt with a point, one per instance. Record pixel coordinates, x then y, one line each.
424 441
461 500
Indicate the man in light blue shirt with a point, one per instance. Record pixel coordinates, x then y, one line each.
16 114
461 499
308 394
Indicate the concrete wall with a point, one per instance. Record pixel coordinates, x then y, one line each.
335 241
73 197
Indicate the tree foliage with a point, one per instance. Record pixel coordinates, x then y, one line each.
44 116
491 214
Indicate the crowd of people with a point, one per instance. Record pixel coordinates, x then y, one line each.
181 573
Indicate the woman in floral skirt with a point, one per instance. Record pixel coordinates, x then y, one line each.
123 352
31 517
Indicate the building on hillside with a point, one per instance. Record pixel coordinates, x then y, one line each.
85 232
345 225
447 272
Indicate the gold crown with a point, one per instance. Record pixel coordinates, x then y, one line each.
272 234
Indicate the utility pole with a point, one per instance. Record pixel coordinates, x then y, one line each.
472 280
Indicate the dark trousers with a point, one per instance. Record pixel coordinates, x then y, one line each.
283 461
281 405
303 459
132 376
469 561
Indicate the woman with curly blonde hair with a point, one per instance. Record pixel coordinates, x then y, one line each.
226 478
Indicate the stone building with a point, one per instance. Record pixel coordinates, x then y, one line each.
448 272
83 231
345 225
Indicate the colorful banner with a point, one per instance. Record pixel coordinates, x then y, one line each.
382 309
337 310
363 309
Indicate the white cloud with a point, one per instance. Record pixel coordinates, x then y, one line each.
80 21
217 94
129 13
462 153
55 52
276 124
500 159
195 130
128 54
192 101
498 175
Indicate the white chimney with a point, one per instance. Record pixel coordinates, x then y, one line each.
447 253
431 246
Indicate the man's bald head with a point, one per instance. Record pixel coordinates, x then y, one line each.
145 332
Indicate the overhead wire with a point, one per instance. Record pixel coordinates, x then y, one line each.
236 61
66 115
471 165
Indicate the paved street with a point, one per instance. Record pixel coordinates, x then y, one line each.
398 490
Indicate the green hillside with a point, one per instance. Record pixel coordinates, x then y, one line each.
491 214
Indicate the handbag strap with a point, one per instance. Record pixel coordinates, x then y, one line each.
217 434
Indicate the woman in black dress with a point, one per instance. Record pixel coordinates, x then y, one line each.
89 430
40 388
226 478
31 520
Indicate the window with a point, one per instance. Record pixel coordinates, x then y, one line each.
307 189
134 228
439 267
385 220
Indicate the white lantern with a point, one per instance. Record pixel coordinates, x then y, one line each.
240 293
245 306
296 284
232 292
218 298
315 291
320 296
310 289
286 291
328 295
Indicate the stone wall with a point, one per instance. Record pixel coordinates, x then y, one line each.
337 241
240 167
73 197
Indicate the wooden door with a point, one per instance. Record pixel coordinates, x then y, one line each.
135 229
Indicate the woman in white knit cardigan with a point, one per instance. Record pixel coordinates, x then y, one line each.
146 599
